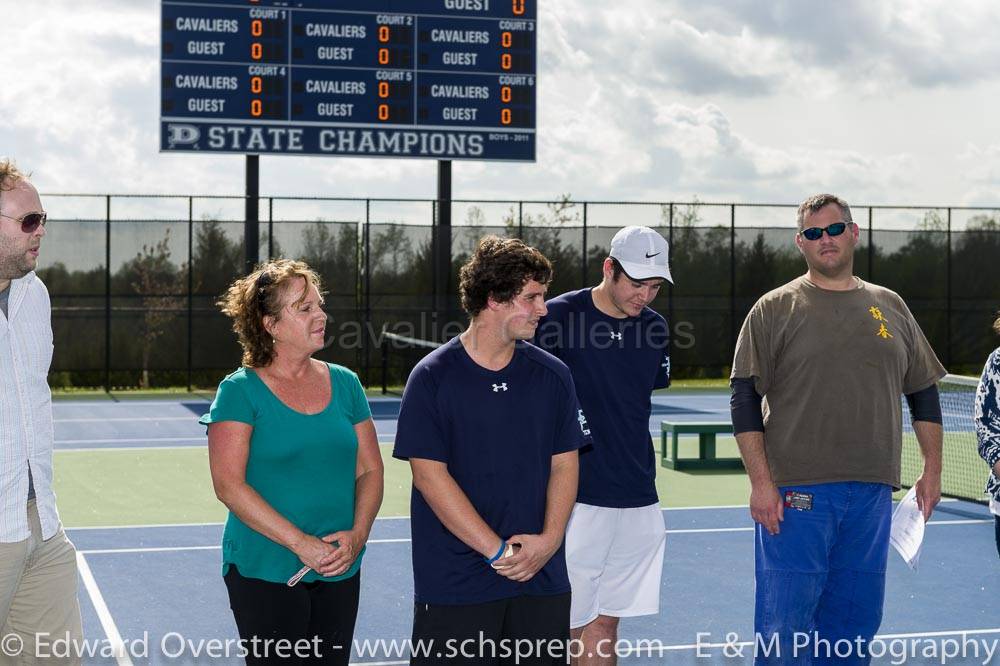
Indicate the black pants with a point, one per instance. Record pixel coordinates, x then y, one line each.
998 534
271 615
522 630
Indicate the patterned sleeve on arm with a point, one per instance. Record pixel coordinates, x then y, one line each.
987 412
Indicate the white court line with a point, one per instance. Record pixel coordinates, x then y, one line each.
703 530
108 622
706 530
747 506
123 404
142 527
203 438
126 419
695 646
155 525
151 549
196 440
666 508
96 449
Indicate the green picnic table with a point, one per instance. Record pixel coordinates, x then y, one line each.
706 431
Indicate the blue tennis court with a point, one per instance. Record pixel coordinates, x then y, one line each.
157 588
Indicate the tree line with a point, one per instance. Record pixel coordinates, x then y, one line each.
382 275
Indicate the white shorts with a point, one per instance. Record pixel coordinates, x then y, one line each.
615 559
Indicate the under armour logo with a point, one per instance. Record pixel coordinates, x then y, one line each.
616 336
500 387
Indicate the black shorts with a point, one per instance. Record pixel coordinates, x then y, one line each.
522 630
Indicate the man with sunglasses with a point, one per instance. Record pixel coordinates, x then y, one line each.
38 575
819 369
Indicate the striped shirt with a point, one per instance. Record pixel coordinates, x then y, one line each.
26 410
988 424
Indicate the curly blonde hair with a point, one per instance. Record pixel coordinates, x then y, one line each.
261 294
10 176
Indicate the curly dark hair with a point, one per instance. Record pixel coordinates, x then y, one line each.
500 268
263 293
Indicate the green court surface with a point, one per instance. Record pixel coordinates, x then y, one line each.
173 485
135 487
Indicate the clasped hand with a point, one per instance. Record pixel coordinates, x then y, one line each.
534 551
331 555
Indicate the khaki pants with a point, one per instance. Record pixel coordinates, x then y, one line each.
38 583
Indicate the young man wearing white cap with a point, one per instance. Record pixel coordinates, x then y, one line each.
617 349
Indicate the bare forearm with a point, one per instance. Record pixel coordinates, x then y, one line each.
754 457
561 495
930 437
453 508
368 492
258 515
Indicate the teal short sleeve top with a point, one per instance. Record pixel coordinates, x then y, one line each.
303 465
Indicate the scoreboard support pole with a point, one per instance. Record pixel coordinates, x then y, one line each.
251 228
442 232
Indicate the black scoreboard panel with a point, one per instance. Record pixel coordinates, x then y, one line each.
444 79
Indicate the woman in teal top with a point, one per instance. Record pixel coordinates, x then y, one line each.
295 458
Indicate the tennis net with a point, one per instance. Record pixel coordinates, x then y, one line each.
399 355
963 472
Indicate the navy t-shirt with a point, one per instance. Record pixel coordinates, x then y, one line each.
616 364
497 431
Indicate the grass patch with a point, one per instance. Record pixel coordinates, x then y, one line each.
135 487
163 486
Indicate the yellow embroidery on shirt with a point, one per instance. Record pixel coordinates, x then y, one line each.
876 314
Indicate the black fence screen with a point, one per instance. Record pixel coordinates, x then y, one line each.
134 280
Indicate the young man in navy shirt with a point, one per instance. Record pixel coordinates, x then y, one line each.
617 350
491 426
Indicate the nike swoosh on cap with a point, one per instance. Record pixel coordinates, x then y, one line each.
650 256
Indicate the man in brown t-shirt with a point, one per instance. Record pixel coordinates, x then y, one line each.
820 366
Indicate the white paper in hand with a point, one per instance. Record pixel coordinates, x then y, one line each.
907 533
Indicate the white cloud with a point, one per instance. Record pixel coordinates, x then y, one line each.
868 46
981 173
650 99
711 151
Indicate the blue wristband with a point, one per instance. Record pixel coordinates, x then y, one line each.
491 560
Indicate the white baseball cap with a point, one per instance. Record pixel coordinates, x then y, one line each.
642 252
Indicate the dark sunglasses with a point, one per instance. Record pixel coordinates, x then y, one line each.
264 280
815 233
29 221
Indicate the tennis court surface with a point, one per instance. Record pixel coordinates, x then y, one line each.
136 498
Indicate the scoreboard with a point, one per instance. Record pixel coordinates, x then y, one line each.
440 79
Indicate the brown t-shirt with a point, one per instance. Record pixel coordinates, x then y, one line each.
832 367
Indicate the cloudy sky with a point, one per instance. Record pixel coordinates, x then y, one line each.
891 102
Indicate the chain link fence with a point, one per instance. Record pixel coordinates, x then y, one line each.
134 279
